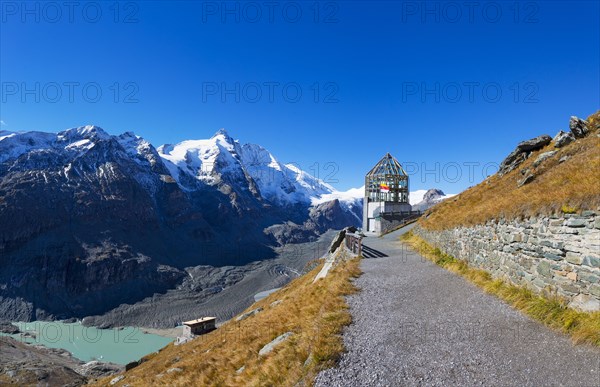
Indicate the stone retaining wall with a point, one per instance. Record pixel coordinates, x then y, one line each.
558 255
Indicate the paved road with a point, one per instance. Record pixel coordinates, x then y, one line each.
416 324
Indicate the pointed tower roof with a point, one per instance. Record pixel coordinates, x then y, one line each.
388 165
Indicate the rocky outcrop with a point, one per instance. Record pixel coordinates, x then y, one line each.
543 157
535 143
578 127
563 138
553 254
527 178
25 364
248 314
97 369
277 341
8 328
433 195
430 198
522 152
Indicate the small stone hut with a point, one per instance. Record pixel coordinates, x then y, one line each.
199 326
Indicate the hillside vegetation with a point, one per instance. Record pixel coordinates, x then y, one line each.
572 185
229 356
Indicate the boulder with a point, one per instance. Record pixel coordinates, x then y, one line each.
585 303
543 157
563 138
98 369
578 127
528 178
535 143
278 340
275 303
116 380
248 314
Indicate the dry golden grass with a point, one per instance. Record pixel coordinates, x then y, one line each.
573 185
552 311
316 313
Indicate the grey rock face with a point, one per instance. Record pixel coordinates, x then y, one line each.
535 143
431 197
116 380
96 369
521 153
271 346
528 178
578 127
563 138
8 328
248 314
543 157
433 194
585 303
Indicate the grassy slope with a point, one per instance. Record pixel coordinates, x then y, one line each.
316 313
573 184
582 327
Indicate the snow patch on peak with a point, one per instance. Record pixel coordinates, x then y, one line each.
138 148
222 157
13 145
203 159
224 139
80 145
423 199
350 196
90 132
165 149
350 200
415 197
6 134
221 132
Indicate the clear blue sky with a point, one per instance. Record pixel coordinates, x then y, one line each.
388 75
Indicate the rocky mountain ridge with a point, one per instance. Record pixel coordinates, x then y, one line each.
429 198
90 220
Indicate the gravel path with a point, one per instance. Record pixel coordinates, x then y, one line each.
416 324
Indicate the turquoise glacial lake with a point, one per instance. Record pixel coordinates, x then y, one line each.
119 346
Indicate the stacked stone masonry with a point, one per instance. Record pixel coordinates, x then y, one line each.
556 255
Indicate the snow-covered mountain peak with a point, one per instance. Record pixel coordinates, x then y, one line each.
204 160
222 138
6 134
223 158
253 155
138 148
88 132
423 199
222 132
15 144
